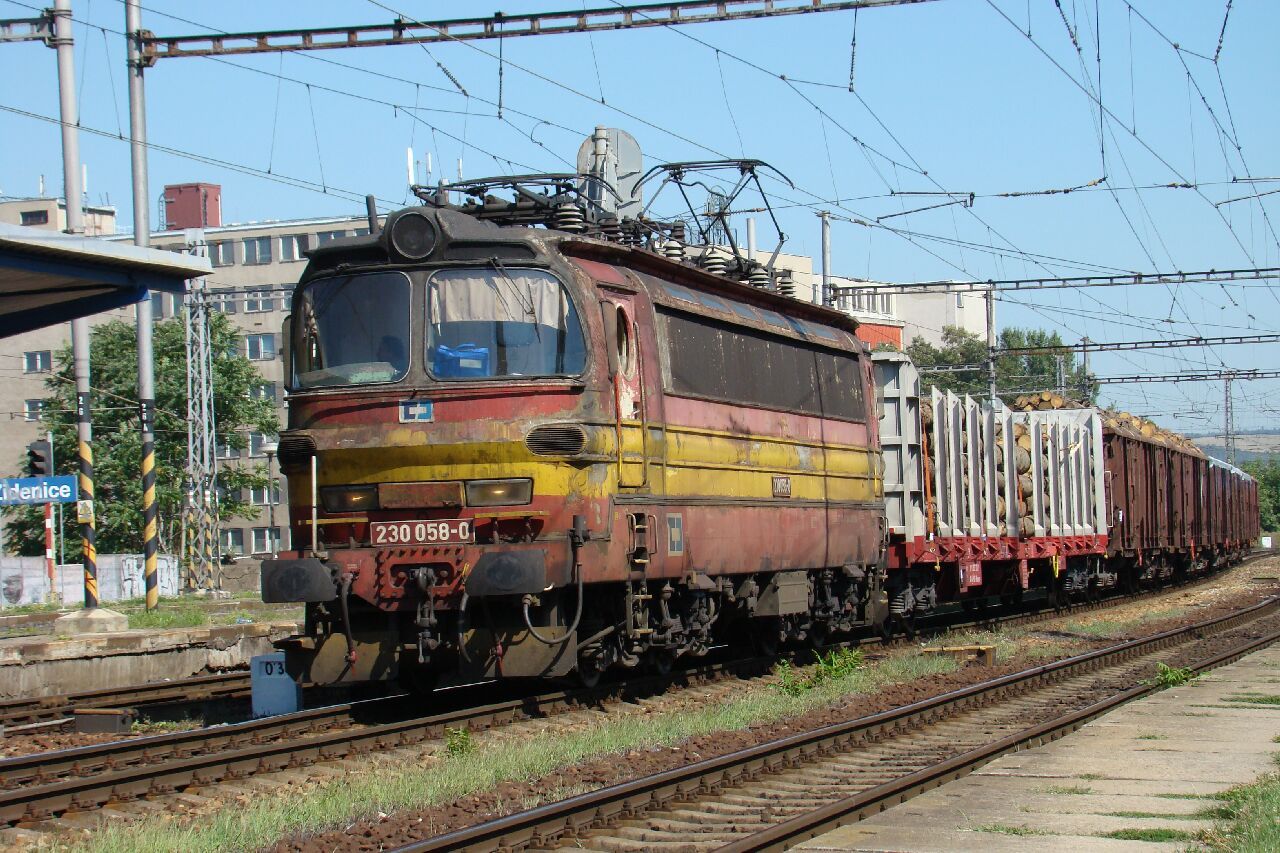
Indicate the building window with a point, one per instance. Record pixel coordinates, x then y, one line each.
260 347
232 541
226 495
259 300
224 301
325 236
256 440
33 410
263 391
260 496
266 540
225 450
292 246
157 306
222 254
257 250
35 217
40 361
286 301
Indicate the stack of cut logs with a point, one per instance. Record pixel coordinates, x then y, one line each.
1045 401
1121 423
1136 427
1023 482
1118 422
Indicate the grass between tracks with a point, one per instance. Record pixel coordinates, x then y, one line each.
490 759
476 764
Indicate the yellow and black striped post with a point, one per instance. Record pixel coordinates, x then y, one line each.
84 430
150 524
85 510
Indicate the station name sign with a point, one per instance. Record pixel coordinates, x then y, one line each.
39 490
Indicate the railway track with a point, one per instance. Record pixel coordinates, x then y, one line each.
39 786
59 708
777 794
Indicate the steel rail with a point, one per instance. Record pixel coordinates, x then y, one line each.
36 786
39 709
782 836
39 785
546 825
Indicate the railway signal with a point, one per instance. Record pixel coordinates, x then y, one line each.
39 458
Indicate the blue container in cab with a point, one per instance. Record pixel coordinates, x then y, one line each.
462 360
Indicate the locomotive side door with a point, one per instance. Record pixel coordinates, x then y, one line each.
630 366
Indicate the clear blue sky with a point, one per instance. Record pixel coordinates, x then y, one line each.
948 88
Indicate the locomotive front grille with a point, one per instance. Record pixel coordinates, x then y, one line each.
556 440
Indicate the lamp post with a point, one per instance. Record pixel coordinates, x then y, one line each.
270 449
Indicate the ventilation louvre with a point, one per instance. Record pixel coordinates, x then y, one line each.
295 451
556 440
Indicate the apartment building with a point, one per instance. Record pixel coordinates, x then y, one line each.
255 268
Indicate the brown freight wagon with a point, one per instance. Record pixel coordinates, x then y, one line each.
1174 510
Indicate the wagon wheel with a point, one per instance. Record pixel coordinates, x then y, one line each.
893 624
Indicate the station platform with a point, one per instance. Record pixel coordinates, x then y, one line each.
1144 769
45 666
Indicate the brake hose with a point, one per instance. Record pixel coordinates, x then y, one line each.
574 544
346 618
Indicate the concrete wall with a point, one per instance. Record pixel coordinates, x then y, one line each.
23 580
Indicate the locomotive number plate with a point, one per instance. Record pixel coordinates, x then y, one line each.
445 532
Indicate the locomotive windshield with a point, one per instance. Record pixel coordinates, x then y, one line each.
352 330
501 322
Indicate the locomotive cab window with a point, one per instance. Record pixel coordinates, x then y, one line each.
495 322
352 330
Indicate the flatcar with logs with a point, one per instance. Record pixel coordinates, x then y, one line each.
527 440
987 501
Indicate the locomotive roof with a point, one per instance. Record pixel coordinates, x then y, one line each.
696 278
469 236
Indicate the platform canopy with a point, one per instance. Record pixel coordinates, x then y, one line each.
47 277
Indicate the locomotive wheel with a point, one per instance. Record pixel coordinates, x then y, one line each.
660 661
764 635
589 673
418 679
819 634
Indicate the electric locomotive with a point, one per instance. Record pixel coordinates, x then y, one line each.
518 451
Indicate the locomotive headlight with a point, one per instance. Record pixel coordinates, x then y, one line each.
349 498
499 492
413 235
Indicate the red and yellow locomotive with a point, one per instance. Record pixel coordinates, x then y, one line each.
520 452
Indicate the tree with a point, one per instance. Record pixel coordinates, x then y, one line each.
117 443
1014 373
1267 473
